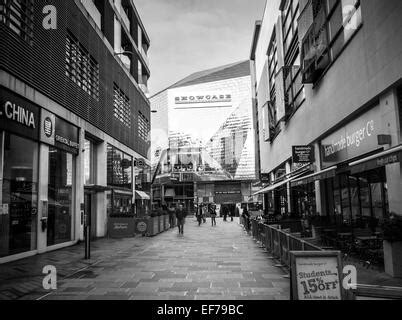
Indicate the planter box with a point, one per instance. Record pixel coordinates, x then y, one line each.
393 258
121 227
161 224
167 226
153 226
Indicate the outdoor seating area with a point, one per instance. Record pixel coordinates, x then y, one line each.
363 246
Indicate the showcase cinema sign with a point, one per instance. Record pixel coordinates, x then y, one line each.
203 98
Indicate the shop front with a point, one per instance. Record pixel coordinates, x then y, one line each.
356 193
37 197
120 208
19 164
142 188
61 141
354 187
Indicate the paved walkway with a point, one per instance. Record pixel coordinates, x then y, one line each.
220 263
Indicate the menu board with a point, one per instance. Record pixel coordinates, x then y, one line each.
316 276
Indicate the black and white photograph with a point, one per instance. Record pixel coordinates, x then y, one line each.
201 155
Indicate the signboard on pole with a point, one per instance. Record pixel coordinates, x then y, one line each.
316 275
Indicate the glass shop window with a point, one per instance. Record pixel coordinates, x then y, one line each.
19 195
89 162
119 168
60 196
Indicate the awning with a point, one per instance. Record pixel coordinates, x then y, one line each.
378 160
141 195
278 185
321 175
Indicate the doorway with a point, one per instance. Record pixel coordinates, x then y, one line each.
88 206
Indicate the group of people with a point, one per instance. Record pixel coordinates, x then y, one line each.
202 212
225 212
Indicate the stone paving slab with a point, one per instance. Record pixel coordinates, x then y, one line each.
207 263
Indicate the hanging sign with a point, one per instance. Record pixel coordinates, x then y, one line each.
303 154
316 275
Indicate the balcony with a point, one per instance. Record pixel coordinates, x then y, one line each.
142 83
144 55
93 11
123 14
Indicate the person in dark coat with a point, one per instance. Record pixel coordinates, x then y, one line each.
212 213
246 217
232 214
181 215
199 215
225 213
171 211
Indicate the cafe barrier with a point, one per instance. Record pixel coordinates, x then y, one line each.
278 242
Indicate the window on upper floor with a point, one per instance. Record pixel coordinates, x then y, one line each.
290 13
333 24
272 63
269 110
81 67
121 107
18 16
143 126
294 88
290 76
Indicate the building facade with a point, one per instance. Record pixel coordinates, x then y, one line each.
203 139
74 120
328 85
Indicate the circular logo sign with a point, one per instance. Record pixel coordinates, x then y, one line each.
48 127
142 227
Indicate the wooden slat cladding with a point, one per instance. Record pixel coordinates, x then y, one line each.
42 65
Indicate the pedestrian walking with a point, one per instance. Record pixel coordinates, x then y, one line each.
199 215
204 213
181 215
246 218
171 216
232 214
225 213
212 213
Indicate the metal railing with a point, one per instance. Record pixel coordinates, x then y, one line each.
278 242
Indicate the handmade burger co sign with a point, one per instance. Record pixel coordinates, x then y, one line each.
354 139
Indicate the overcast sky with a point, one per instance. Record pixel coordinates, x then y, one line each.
188 36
